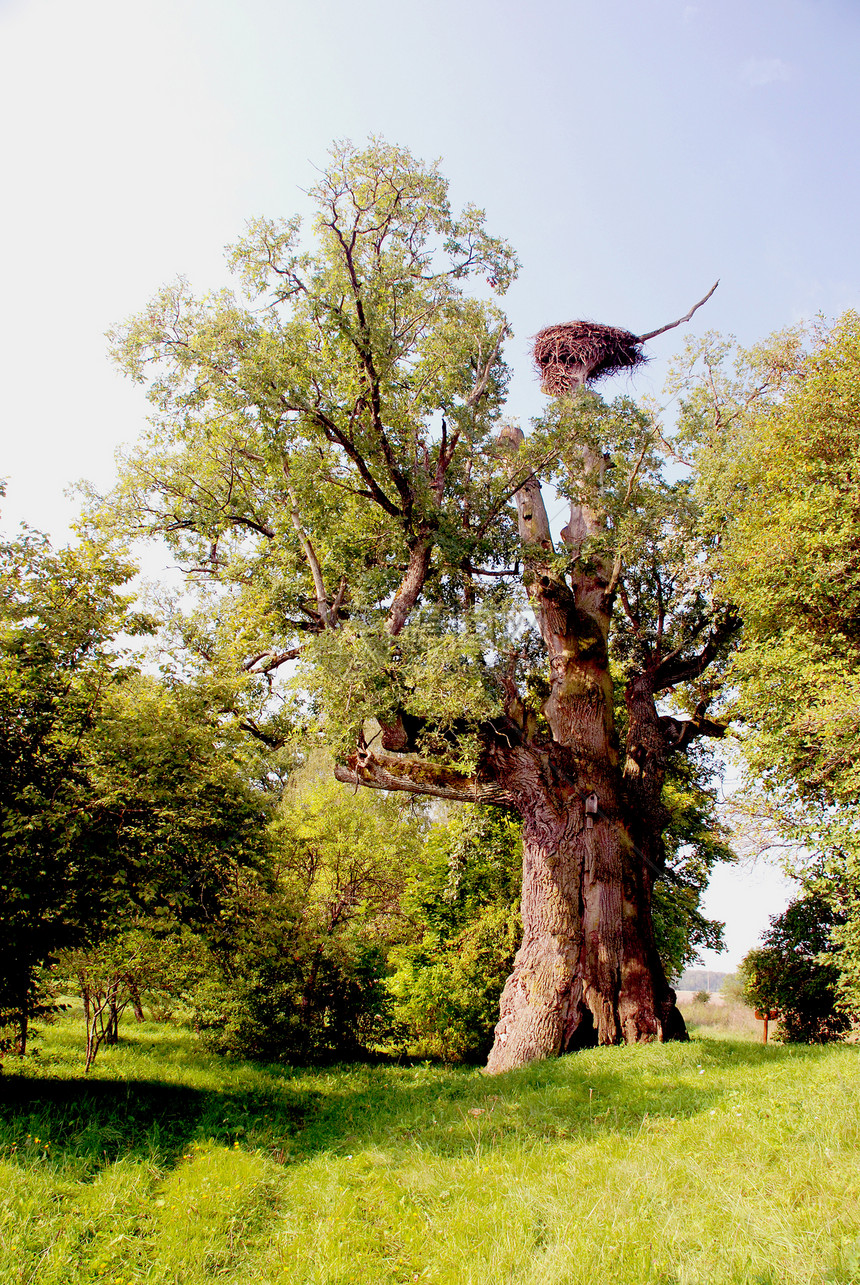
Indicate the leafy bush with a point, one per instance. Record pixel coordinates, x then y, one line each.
446 992
464 905
286 996
297 972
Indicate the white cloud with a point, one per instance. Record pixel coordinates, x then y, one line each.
765 71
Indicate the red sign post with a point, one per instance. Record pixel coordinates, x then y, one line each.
766 1015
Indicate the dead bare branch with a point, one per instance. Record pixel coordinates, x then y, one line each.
652 334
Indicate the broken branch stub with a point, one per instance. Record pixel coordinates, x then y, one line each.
532 520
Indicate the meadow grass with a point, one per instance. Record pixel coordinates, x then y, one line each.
716 1161
727 1019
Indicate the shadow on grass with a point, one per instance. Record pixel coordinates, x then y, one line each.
91 1124
296 1114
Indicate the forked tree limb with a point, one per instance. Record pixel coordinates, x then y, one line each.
675 668
679 732
652 334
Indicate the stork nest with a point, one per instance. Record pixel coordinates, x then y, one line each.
581 352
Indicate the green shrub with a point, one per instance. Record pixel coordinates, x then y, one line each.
286 996
446 991
297 973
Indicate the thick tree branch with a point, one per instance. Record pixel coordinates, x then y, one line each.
309 552
273 742
404 735
447 447
678 669
272 659
679 732
634 473
380 770
585 521
629 611
410 587
338 601
615 578
259 527
532 520
364 347
336 435
487 571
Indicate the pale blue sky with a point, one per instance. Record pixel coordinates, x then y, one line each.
632 150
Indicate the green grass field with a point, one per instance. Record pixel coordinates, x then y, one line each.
717 1161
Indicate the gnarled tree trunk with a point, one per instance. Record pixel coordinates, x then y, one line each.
588 971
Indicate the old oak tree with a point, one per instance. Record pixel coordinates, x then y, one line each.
328 459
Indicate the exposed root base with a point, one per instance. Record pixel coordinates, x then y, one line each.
512 1051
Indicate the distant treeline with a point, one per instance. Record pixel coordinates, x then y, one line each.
701 979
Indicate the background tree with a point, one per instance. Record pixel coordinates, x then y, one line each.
325 456
113 974
59 615
121 795
795 972
187 798
777 435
